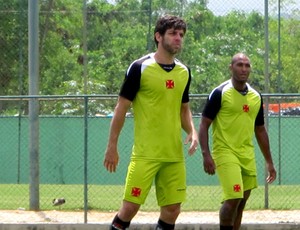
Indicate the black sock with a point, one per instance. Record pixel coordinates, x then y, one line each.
118 224
161 225
222 227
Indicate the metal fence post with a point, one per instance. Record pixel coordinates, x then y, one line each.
266 85
85 158
33 43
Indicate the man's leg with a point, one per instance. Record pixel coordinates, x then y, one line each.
138 183
168 217
124 216
170 192
240 209
231 181
228 213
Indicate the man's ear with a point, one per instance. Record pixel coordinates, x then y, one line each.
157 36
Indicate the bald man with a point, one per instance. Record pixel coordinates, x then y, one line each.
235 110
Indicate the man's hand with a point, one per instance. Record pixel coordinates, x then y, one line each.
193 139
111 159
272 173
209 164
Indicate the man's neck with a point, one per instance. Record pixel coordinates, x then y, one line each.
239 86
163 58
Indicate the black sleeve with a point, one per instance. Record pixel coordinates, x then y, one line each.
213 104
260 116
185 96
131 83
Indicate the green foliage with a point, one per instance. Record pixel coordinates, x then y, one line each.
13 46
118 33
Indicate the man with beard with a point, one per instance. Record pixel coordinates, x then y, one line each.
157 87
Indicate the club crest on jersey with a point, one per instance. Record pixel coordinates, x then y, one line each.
136 191
170 84
236 188
246 108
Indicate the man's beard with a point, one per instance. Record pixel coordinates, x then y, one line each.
169 48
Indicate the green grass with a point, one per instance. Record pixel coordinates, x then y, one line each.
108 198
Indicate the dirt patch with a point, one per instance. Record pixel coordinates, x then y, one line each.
56 216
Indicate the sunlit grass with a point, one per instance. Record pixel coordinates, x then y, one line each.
109 197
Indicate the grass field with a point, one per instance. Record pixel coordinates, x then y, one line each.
108 198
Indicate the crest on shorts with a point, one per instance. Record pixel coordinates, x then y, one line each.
236 188
136 191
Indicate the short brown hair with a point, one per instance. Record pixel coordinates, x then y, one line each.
167 22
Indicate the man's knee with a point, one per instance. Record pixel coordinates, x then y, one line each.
229 209
169 213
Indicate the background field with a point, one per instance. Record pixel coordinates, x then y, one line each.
71 156
108 198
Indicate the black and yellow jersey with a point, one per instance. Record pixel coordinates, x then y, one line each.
157 92
235 115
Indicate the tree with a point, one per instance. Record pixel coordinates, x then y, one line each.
119 32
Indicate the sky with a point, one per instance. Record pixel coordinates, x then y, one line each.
222 7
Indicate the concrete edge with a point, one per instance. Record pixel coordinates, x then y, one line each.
192 226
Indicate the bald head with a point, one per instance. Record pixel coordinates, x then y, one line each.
240 68
238 57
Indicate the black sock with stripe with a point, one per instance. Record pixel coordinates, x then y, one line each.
161 225
118 224
222 227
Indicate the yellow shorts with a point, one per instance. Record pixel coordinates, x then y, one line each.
233 181
169 178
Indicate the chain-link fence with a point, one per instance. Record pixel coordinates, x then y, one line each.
71 150
85 48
